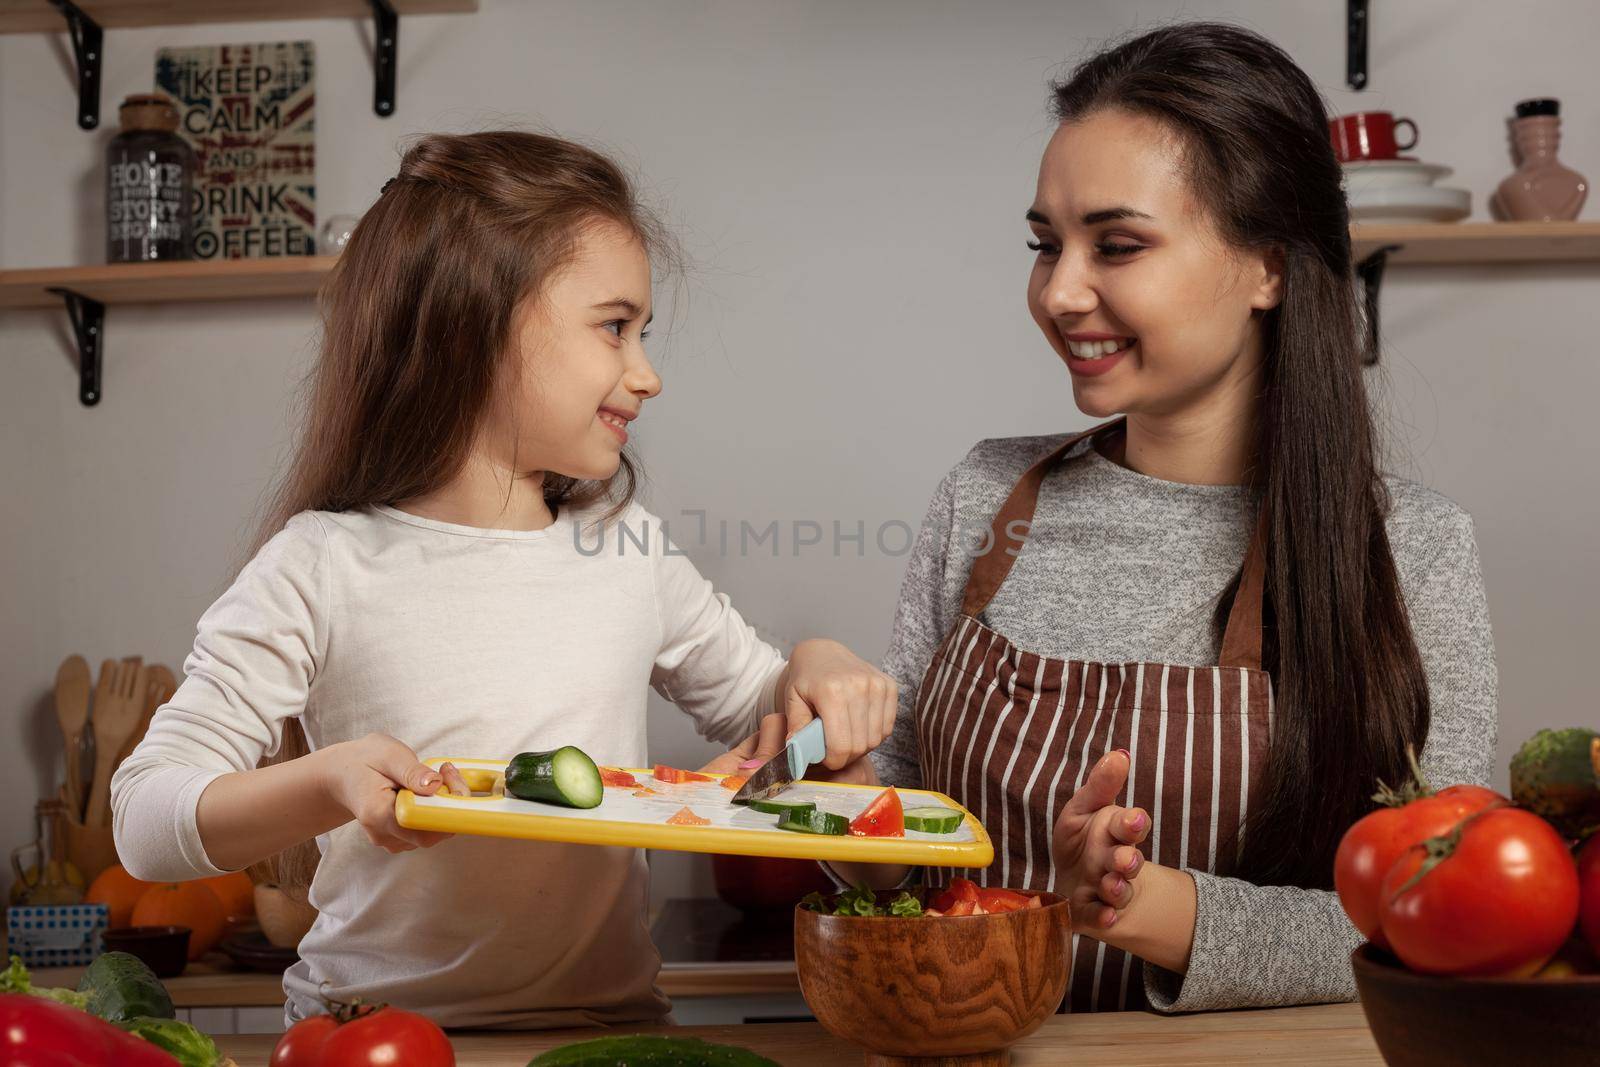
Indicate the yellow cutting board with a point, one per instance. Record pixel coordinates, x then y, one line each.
622 818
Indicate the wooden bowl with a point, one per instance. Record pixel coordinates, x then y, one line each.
1422 1020
959 989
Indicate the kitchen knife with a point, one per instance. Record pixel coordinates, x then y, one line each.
806 747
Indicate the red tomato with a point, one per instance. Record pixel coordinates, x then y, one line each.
961 907
884 817
1375 842
354 1036
1497 896
35 1032
1589 892
961 889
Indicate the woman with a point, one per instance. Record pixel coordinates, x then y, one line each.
1172 739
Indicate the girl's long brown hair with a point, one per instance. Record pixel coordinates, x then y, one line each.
418 316
1349 683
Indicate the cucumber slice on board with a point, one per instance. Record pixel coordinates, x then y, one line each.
565 776
782 807
814 822
933 820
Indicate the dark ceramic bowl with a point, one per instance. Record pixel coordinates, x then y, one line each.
165 949
1422 1020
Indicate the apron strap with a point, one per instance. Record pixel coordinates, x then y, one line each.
1241 640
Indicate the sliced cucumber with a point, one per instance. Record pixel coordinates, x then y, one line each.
933 820
782 807
814 822
565 776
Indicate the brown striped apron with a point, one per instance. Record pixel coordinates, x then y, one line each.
1011 735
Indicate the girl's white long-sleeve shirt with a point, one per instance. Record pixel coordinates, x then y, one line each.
468 643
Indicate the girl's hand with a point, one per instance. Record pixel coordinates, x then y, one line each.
362 777
855 701
1096 860
762 745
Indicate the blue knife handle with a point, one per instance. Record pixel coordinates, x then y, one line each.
806 747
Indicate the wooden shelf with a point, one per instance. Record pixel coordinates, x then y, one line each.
37 16
165 283
1481 242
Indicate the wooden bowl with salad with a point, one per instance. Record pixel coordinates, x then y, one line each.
906 980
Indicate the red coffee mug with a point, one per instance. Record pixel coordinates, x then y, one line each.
1368 135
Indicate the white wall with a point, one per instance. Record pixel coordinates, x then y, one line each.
849 179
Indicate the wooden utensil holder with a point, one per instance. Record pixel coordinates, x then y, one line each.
91 849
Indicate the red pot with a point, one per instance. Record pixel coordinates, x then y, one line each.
762 883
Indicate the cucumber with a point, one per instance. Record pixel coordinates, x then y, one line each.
814 822
122 987
933 820
565 776
782 807
641 1050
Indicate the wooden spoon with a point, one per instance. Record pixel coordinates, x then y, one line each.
72 712
115 720
159 687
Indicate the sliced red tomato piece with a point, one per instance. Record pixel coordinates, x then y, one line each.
1034 902
884 817
960 889
685 817
1001 900
735 781
617 777
961 907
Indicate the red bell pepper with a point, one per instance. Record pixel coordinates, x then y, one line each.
673 775
35 1032
615 777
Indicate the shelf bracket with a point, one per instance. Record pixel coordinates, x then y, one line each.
386 43
1370 271
1355 49
88 48
88 324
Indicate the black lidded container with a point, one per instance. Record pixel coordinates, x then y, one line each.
149 174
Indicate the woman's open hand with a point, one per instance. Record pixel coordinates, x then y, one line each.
1095 847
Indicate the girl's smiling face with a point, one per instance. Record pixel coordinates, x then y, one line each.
1129 263
579 371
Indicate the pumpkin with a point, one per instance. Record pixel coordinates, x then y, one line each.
237 893
119 891
190 904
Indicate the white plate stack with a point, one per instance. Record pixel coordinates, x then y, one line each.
1402 190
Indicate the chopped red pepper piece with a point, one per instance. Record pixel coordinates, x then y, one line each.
617 777
884 817
963 889
1001 900
735 781
685 817
674 775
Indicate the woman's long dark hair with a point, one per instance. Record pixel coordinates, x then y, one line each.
1348 680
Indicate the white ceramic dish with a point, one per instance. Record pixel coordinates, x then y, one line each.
1385 173
1420 203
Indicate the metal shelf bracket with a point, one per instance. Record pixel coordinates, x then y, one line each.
88 48
386 42
1370 271
89 326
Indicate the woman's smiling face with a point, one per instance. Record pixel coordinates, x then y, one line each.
1128 262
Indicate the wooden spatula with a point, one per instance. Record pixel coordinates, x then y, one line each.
159 687
72 712
115 720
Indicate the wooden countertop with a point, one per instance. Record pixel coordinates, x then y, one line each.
214 982
1330 1035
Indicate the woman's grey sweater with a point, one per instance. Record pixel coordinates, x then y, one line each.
1122 567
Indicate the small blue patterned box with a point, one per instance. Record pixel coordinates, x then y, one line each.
62 935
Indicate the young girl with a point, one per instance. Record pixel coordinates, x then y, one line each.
447 575
1171 738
